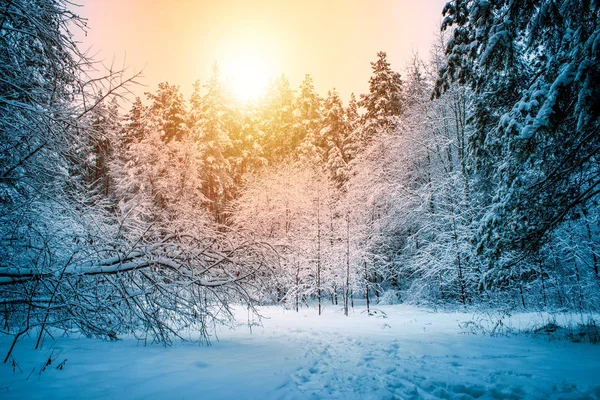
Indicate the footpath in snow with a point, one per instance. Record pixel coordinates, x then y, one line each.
410 354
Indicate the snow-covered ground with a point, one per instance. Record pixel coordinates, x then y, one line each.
411 354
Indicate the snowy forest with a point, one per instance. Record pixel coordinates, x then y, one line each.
468 181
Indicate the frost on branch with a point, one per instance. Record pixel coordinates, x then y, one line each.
155 285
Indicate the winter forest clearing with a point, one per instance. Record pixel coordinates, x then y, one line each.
400 352
437 236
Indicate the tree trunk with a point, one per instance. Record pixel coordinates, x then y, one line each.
298 286
594 256
347 289
366 285
544 283
319 253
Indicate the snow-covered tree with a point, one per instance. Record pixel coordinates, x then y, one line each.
211 130
308 121
134 123
335 138
290 207
534 68
246 154
97 152
384 103
355 138
167 113
280 138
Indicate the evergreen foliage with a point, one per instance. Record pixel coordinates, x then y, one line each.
534 69
384 102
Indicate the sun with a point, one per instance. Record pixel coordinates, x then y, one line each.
248 76
247 68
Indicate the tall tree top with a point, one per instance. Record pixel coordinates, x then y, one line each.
308 102
384 102
168 111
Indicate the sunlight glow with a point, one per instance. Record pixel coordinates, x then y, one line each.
247 76
247 67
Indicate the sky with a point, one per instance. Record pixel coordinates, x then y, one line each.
334 41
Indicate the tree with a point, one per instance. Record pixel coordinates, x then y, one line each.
308 120
384 102
95 154
167 112
135 123
534 69
355 137
335 138
246 155
211 130
277 116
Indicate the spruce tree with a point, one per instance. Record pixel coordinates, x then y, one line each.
134 123
98 150
333 138
384 103
307 120
213 112
167 112
279 140
246 153
535 71
355 133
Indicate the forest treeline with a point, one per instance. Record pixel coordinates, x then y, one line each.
472 179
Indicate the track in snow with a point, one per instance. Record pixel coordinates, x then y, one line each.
413 354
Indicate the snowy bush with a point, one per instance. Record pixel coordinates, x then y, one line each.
389 297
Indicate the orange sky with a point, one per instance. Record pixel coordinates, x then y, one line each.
333 40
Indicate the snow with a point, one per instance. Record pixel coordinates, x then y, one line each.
411 354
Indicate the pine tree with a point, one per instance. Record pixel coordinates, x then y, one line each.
246 153
384 103
277 115
134 123
213 115
96 153
307 121
354 137
334 138
534 68
167 113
